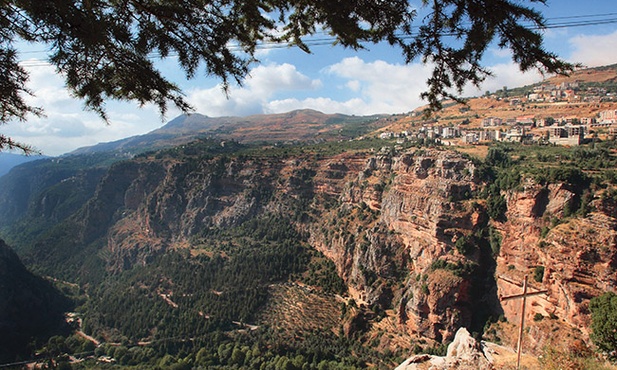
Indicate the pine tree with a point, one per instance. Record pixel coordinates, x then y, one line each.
105 48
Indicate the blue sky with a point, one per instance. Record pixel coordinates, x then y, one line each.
331 80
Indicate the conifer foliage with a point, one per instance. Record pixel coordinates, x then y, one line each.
604 323
106 49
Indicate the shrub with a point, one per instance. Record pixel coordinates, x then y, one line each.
498 157
497 207
538 274
604 322
544 231
494 240
465 245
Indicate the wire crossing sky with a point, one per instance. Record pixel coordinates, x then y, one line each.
323 40
331 79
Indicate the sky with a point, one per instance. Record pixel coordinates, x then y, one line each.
330 80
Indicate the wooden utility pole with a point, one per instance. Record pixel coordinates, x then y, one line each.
524 295
519 345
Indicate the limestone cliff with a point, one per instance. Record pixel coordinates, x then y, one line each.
389 222
399 217
574 258
408 231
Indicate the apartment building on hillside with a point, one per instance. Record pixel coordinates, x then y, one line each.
566 135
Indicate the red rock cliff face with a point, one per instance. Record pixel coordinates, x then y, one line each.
383 219
391 223
578 256
404 231
397 217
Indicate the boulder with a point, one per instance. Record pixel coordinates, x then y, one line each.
464 353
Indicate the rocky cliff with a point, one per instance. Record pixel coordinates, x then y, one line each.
390 222
408 231
573 258
393 238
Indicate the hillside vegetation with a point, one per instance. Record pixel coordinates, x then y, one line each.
334 254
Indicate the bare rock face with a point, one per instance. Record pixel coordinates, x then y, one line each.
389 222
573 258
392 224
412 210
464 353
426 207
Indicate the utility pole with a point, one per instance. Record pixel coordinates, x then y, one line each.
519 345
524 295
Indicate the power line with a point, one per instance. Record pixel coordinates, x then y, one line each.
324 41
584 16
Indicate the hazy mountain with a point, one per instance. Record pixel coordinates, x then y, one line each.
10 160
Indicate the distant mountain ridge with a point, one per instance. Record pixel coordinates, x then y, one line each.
10 160
303 124
52 189
298 125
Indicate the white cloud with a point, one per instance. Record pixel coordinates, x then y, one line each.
65 125
263 83
48 87
500 53
386 88
354 85
58 132
214 103
505 74
394 88
271 78
555 33
325 105
594 50
376 87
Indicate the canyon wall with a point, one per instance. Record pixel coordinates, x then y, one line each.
409 233
572 258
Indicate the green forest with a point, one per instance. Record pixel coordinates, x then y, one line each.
201 307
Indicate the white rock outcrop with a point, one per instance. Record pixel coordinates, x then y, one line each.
464 353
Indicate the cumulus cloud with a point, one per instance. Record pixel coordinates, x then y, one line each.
65 125
263 83
214 103
386 87
60 132
47 85
504 74
354 85
270 78
395 88
594 50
